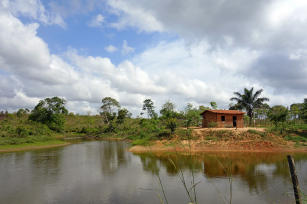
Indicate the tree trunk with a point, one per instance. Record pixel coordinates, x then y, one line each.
250 114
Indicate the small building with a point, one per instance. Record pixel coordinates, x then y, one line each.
223 118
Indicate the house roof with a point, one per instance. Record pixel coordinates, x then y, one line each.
234 112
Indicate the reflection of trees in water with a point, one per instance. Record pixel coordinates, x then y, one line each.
171 162
223 165
113 155
46 161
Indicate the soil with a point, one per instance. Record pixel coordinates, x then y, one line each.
223 140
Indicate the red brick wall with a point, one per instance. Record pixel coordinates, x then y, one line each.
217 118
208 117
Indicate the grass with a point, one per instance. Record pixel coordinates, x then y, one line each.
35 145
256 132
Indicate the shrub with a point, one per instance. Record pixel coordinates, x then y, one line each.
171 124
22 132
50 111
212 125
262 134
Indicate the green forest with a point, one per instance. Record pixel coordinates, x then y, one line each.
50 120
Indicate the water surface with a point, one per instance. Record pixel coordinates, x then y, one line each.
104 172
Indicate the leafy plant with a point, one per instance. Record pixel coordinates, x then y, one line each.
249 101
50 111
212 125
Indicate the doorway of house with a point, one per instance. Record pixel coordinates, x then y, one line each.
234 121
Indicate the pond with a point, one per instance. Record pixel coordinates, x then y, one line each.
105 172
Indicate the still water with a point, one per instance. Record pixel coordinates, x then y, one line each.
105 172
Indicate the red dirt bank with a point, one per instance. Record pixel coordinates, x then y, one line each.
223 140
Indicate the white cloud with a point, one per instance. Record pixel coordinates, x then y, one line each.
33 9
133 15
182 72
96 21
126 49
111 48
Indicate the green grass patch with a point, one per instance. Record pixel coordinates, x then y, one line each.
256 132
143 142
295 138
35 144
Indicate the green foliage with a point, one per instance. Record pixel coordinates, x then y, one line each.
184 134
278 114
143 141
304 111
148 106
212 125
202 108
249 101
213 105
108 109
122 115
168 110
171 124
235 106
192 115
22 112
15 130
50 111
256 132
295 138
108 104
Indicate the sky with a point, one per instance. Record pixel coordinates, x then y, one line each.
167 50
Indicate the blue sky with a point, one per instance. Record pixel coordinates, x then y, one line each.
182 51
92 40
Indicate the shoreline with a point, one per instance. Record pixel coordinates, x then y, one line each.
33 146
164 148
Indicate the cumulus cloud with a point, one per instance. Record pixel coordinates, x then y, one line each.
267 31
249 47
111 48
96 21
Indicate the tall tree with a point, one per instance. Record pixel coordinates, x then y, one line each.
295 110
109 106
50 111
122 115
168 110
278 114
249 100
148 106
304 111
192 115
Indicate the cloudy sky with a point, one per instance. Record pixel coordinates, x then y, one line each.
184 51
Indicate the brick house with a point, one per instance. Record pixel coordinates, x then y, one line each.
223 118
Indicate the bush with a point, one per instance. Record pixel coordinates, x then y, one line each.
262 134
22 132
212 125
50 111
171 124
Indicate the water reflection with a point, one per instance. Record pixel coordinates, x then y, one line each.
254 169
113 155
105 172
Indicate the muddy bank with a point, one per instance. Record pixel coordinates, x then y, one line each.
204 148
224 140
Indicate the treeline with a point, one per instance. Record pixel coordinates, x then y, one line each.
151 123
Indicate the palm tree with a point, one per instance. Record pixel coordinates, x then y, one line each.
249 100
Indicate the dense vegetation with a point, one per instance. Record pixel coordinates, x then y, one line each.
50 120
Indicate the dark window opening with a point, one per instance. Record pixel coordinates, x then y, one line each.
223 118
